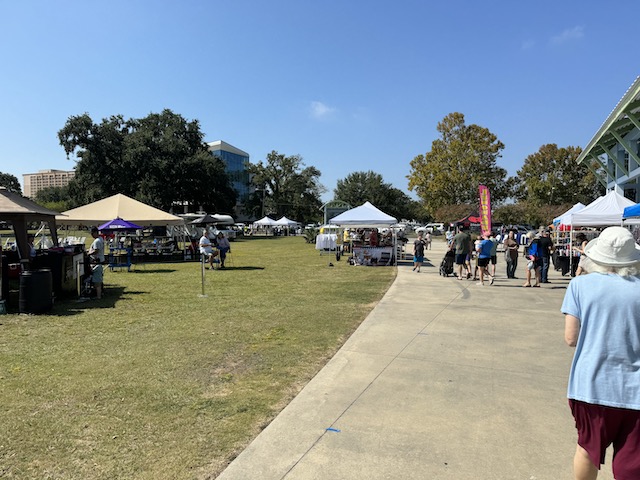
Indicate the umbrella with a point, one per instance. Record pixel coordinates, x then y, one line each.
119 224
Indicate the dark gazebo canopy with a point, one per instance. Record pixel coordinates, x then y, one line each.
20 211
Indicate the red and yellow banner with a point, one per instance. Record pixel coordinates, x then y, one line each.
485 209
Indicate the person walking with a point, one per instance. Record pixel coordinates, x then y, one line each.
427 241
602 322
545 249
484 257
494 254
223 247
511 254
418 253
535 262
461 245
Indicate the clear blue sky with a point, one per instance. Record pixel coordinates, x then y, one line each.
349 85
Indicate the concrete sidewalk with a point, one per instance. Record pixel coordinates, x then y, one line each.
445 379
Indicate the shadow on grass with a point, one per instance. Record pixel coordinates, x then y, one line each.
154 270
66 307
241 268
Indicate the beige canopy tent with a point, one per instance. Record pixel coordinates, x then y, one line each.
116 206
20 211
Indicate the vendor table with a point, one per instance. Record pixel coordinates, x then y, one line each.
373 255
120 258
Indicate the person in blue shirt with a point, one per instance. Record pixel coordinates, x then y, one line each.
484 257
602 322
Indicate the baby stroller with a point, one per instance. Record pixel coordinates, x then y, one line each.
446 266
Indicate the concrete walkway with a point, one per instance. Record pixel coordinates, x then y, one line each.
445 379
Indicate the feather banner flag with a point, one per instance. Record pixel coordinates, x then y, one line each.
485 209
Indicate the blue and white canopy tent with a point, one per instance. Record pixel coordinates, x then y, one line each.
631 215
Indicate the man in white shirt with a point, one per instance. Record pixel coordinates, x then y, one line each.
96 257
206 248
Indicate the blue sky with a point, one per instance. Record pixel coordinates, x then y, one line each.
348 85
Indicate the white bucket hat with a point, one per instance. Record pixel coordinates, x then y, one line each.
615 247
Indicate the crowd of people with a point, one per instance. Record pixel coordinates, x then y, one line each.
482 253
602 322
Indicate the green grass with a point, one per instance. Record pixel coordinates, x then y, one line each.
154 381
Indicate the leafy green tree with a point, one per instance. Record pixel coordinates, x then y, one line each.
160 159
461 159
448 214
551 176
10 182
55 198
284 186
511 214
360 187
100 170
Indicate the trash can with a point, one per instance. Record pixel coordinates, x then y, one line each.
35 291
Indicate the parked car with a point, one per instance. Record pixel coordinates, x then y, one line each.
435 228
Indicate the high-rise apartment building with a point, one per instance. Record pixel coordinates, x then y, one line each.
34 182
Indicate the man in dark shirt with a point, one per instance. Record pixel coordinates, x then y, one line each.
461 245
546 248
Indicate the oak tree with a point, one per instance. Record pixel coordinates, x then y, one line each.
462 158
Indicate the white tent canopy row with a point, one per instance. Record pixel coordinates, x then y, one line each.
562 219
282 222
265 222
604 211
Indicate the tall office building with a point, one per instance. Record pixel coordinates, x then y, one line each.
236 162
34 182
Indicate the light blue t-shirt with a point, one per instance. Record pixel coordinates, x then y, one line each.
606 363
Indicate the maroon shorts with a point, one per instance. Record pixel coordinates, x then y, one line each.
599 426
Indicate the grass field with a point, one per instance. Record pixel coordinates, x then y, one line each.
157 382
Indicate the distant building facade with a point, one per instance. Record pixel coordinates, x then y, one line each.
613 154
34 182
236 165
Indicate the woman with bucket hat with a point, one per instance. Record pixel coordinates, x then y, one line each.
602 321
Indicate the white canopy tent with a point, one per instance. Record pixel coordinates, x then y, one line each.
605 211
602 212
575 209
285 222
265 222
367 216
